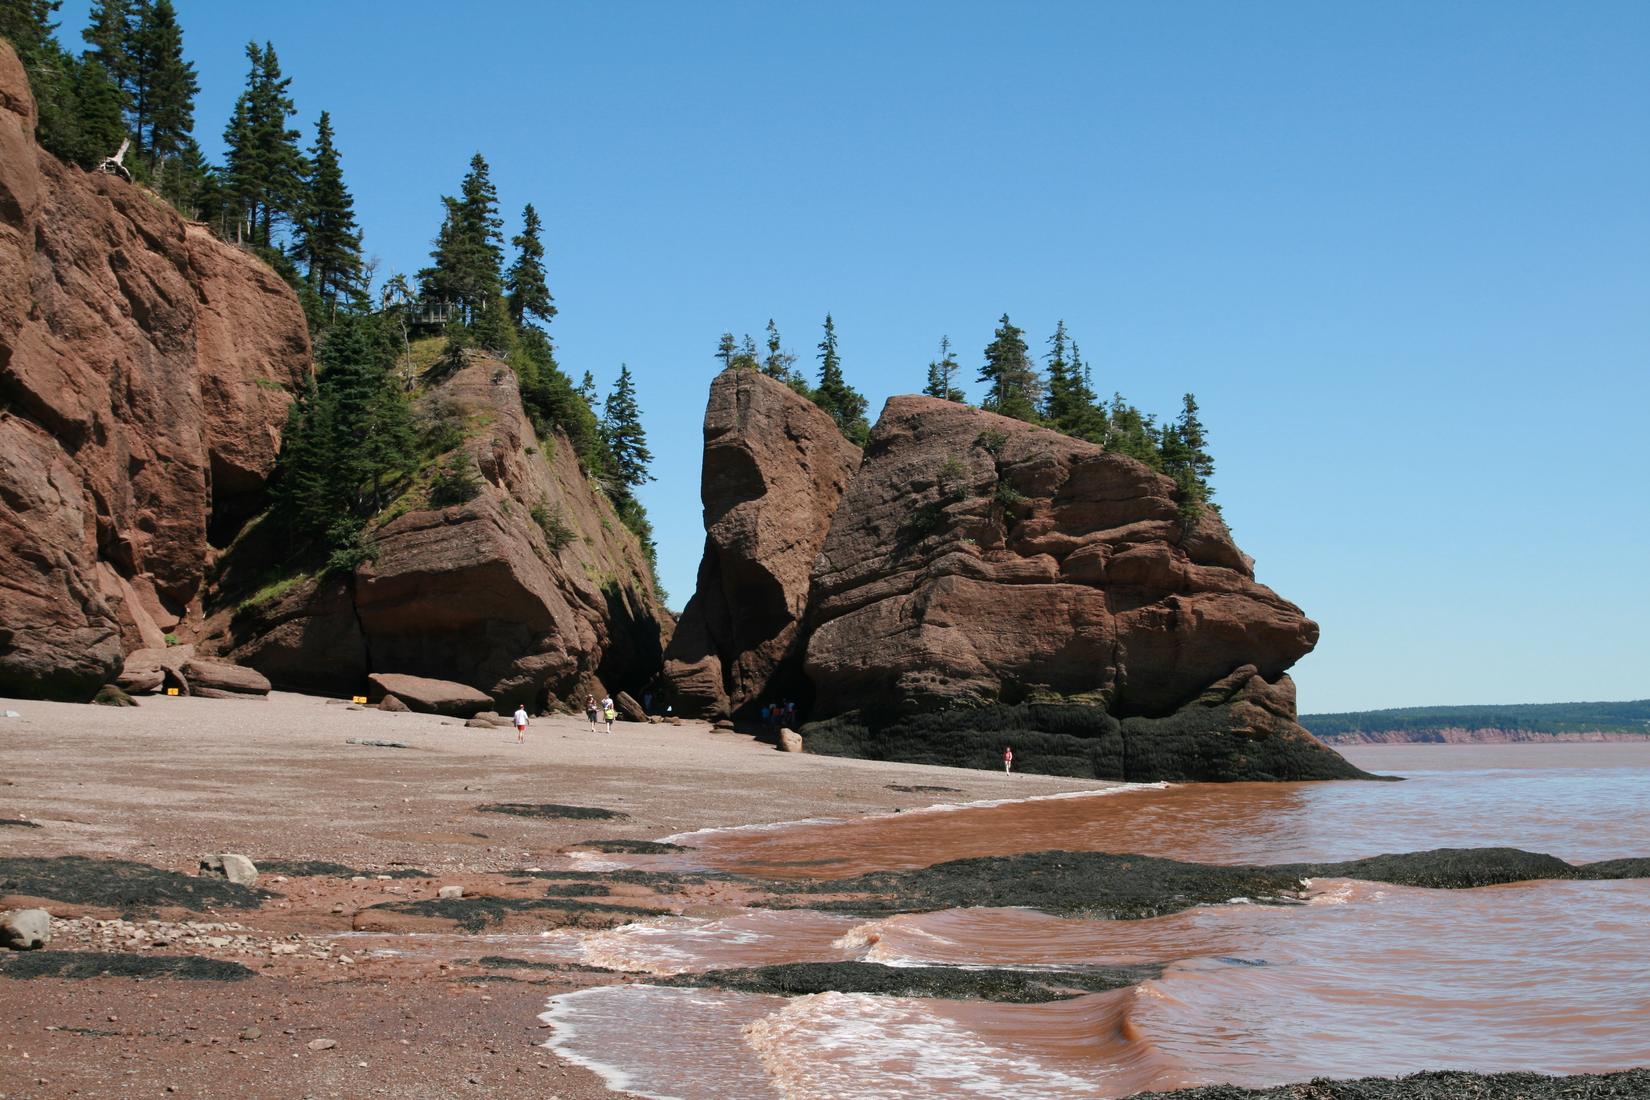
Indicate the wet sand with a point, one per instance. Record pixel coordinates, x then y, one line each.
175 779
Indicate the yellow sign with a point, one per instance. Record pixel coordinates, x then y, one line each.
358 699
171 691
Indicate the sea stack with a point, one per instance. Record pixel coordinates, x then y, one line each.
984 581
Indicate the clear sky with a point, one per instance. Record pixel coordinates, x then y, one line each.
1400 251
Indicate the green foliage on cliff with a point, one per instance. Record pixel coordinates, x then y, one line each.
1632 716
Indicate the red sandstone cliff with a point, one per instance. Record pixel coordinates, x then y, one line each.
978 559
145 374
981 580
477 592
775 468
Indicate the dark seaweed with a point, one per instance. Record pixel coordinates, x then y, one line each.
947 982
475 914
1196 743
919 788
18 823
95 964
1132 886
631 847
552 811
1633 1084
121 884
320 868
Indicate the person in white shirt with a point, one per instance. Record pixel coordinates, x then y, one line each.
608 712
521 724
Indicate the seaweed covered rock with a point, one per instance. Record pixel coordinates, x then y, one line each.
775 468
147 368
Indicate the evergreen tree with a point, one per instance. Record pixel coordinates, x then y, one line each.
264 168
469 251
327 241
779 363
1016 387
587 389
168 94
109 30
1070 405
524 286
726 349
349 441
626 440
745 358
1183 451
78 106
1131 433
940 374
833 394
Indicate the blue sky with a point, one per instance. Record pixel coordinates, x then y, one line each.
1400 252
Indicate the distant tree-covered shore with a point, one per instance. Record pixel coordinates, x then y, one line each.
1631 717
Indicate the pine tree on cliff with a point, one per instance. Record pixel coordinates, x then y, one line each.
109 31
525 288
1070 405
171 84
1016 387
79 115
264 168
327 239
469 250
726 349
1132 433
745 358
626 439
833 394
941 373
778 363
1183 450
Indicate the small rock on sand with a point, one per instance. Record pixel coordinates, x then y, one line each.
322 1044
25 929
450 892
236 868
790 740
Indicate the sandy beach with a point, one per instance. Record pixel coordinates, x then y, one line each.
175 779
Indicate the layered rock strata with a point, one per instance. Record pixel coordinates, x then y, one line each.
145 373
532 590
775 468
982 582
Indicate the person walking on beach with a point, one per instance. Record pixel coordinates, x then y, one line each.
1008 759
608 712
590 711
521 724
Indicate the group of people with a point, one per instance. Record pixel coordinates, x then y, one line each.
779 715
596 712
599 712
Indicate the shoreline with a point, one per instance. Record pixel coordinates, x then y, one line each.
279 779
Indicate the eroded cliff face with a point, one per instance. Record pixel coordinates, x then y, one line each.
775 468
978 559
479 592
985 582
145 373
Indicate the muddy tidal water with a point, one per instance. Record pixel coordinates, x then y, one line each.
1363 979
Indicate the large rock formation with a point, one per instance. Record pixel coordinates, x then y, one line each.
986 582
978 559
145 374
532 589
775 469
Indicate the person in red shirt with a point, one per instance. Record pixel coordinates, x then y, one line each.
1008 758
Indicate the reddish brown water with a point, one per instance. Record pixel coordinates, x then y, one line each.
1366 979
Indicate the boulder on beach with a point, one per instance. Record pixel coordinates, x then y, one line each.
429 696
790 741
25 929
629 709
393 704
222 680
231 865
